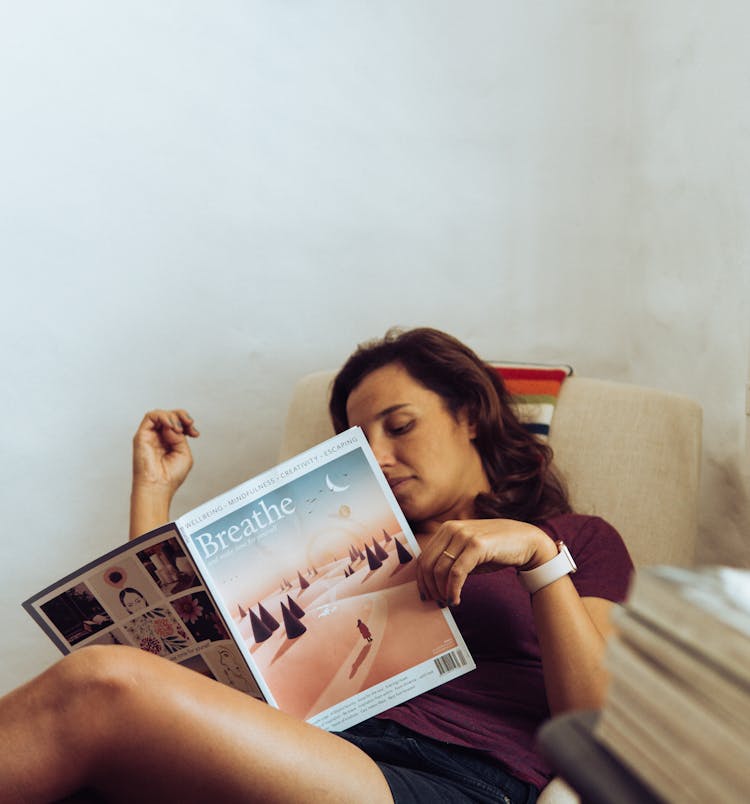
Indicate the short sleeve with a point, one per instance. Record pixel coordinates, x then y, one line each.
604 565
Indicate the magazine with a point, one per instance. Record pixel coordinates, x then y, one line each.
297 587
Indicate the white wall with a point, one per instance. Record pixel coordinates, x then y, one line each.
200 202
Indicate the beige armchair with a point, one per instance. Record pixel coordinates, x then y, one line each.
629 454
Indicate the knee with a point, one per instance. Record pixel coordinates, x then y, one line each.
79 703
94 684
114 668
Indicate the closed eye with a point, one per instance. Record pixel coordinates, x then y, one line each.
400 429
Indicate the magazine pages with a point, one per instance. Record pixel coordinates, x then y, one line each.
311 565
147 594
297 587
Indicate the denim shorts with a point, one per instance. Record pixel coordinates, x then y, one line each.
419 769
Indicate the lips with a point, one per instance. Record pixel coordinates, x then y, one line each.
396 482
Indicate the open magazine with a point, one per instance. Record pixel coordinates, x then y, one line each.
297 587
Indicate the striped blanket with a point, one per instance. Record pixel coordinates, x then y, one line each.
534 388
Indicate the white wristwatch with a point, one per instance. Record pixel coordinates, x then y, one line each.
535 579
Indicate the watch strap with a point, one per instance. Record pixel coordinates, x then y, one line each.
562 564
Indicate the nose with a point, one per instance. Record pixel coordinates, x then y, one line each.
382 449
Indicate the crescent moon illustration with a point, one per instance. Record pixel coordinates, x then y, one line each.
333 487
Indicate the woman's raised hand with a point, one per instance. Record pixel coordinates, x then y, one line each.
161 452
161 462
461 546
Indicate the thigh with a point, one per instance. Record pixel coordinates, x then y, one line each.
144 729
215 742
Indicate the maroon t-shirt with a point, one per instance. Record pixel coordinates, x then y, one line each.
498 707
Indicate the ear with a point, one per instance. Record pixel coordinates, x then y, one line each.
466 418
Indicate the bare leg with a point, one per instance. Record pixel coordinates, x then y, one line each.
134 727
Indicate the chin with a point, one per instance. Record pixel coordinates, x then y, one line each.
413 512
407 508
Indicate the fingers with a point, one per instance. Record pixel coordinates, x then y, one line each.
453 573
444 565
460 547
185 423
444 579
177 422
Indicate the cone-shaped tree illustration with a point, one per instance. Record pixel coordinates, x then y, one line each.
404 556
353 554
243 613
373 561
387 536
260 631
303 584
378 550
293 626
296 610
287 585
346 572
360 554
267 618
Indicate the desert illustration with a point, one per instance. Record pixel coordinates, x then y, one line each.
325 595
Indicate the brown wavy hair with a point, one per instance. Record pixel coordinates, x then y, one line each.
524 484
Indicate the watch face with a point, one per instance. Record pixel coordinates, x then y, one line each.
566 552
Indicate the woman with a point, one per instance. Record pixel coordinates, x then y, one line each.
484 503
132 600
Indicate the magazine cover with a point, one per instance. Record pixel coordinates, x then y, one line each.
147 594
312 564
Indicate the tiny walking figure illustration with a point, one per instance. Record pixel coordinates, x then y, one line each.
364 630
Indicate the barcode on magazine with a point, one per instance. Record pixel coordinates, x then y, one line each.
450 661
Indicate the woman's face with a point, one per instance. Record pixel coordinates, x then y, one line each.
133 602
427 456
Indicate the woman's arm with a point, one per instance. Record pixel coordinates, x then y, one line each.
161 462
571 630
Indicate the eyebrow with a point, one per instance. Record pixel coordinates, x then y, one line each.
391 409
